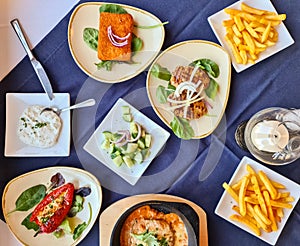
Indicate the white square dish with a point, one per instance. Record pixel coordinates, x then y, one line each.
114 122
224 207
284 37
16 103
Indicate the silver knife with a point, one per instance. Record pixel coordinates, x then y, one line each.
39 70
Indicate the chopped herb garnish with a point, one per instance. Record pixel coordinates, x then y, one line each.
40 124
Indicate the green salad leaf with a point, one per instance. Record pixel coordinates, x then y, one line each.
152 26
29 198
30 225
90 37
77 206
105 64
182 128
81 227
160 72
212 89
136 43
150 239
63 228
162 93
112 8
208 65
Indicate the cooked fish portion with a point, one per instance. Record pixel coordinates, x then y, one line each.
193 109
183 74
115 30
164 227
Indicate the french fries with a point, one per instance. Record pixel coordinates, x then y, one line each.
260 201
250 31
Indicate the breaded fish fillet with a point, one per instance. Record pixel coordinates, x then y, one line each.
121 25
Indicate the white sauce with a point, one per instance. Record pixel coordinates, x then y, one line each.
39 130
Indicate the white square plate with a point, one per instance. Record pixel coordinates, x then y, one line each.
16 103
114 122
284 37
224 207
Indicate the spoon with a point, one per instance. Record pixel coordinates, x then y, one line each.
87 103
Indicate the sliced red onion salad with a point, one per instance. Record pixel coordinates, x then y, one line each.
126 137
115 39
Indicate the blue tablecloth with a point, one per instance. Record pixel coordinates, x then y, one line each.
272 82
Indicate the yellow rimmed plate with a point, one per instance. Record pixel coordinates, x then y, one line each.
182 54
15 187
87 15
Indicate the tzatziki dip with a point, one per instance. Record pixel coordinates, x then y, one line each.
39 130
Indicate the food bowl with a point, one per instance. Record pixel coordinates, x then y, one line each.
184 211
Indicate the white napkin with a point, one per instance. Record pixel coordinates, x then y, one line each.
6 237
37 21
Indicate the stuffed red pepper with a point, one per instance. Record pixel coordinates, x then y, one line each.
52 210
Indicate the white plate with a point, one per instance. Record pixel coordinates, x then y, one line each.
15 187
114 122
284 37
87 15
16 103
183 54
224 207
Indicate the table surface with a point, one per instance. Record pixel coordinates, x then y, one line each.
273 82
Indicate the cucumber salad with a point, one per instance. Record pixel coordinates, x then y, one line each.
127 146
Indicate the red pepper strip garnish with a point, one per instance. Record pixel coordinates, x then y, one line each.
52 210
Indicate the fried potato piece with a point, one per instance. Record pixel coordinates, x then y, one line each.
246 222
260 201
250 31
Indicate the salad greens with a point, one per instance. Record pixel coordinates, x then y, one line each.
153 26
30 225
112 8
29 198
136 43
81 227
161 72
212 89
208 65
162 93
150 239
63 228
181 126
90 37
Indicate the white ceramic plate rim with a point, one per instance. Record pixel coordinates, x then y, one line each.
226 65
16 103
77 176
224 209
136 70
284 37
113 124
